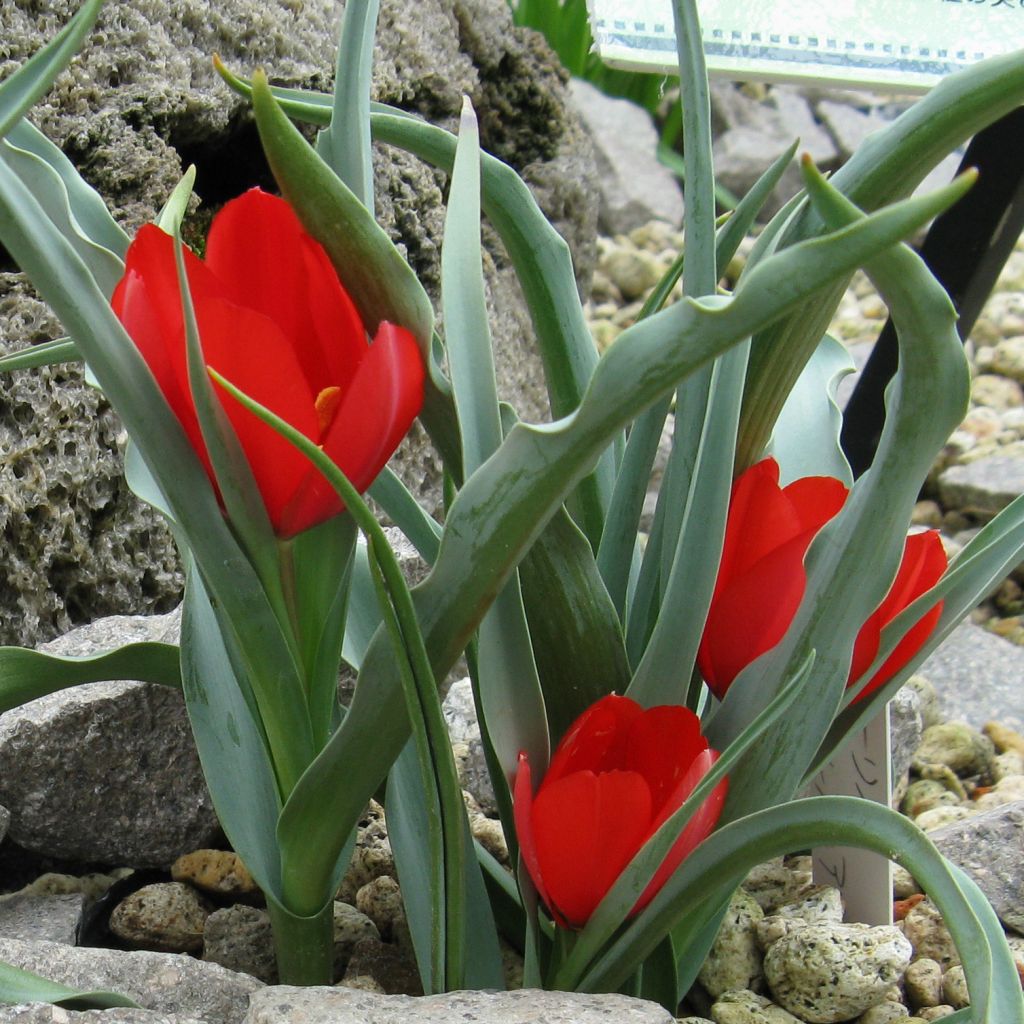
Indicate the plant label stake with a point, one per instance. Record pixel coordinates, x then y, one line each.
863 769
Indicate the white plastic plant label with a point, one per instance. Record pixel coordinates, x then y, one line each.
865 878
902 46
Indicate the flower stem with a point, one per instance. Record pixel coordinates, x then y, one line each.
304 946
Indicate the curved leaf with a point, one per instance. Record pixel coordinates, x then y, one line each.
33 79
727 855
889 164
18 986
503 507
26 675
852 560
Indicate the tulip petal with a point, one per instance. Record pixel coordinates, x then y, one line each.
596 740
373 416
751 614
265 261
923 563
697 829
586 828
522 812
662 744
250 351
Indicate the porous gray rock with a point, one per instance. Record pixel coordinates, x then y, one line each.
141 103
77 543
929 936
162 982
990 847
5 820
106 772
240 939
634 187
832 972
283 1005
49 918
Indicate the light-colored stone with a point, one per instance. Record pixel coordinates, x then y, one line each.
163 982
372 856
381 902
284 1005
931 1013
744 1007
924 794
963 749
984 486
832 972
940 817
43 1013
927 933
31 917
922 983
884 1013
106 772
954 988
990 848
218 872
165 916
734 960
634 187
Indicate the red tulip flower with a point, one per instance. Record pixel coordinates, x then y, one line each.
276 322
761 579
614 779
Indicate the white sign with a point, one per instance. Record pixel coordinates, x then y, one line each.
864 769
891 45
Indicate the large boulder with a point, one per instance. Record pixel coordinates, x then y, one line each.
141 102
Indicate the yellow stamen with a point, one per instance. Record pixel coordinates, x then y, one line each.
327 403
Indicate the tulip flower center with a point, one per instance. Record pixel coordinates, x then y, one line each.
326 404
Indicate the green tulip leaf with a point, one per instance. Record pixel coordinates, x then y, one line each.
888 165
26 675
51 192
806 437
20 91
725 857
508 690
576 635
18 986
46 353
233 750
345 143
169 219
853 559
504 506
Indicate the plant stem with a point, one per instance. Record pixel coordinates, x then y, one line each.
304 946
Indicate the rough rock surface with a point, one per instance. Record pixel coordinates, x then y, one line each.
635 188
141 103
990 848
829 973
42 1013
163 982
282 1005
106 772
33 917
166 917
978 677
